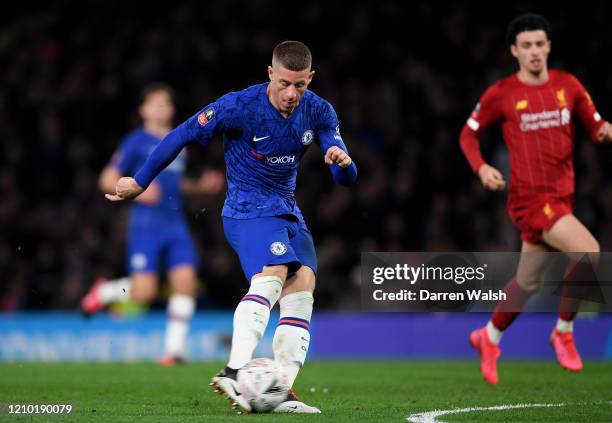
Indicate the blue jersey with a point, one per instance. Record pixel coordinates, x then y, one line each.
131 155
262 148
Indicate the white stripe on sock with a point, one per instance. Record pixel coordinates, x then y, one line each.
495 335
180 311
564 326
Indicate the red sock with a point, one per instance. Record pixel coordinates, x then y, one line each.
577 275
507 310
568 316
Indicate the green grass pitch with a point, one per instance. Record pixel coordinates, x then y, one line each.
353 391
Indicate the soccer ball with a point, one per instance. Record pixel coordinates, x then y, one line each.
262 384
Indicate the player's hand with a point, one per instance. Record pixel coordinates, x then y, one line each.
336 155
127 188
151 196
605 132
491 178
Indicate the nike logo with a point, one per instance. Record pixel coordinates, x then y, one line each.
255 139
235 391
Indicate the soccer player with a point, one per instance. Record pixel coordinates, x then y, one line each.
537 107
158 232
266 129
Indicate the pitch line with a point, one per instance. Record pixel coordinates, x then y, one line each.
432 416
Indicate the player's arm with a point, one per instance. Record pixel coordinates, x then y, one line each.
200 128
598 129
128 188
108 179
122 163
605 132
341 166
487 112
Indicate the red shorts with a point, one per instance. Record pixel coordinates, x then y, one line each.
540 214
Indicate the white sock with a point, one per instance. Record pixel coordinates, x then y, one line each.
292 336
251 318
495 334
116 290
180 312
565 326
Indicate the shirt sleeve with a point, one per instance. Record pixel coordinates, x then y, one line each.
328 135
486 113
126 157
585 109
212 120
200 128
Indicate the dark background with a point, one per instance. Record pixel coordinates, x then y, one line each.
403 77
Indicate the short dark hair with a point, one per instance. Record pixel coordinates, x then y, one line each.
154 87
292 55
526 22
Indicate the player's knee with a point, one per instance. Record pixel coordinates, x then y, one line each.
304 280
267 286
143 297
184 281
528 284
593 246
302 284
279 271
144 293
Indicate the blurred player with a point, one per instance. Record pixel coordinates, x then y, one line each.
266 130
536 107
158 232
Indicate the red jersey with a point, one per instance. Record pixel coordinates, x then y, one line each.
538 128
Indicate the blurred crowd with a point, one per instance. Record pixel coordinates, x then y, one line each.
403 77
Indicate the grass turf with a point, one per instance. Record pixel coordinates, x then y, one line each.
353 391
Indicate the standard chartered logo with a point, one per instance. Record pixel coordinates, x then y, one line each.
545 119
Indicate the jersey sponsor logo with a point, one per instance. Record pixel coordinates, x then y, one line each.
544 120
278 248
561 98
273 159
138 261
256 139
280 159
521 105
307 137
206 116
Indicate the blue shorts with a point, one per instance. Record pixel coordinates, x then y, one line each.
268 241
151 247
